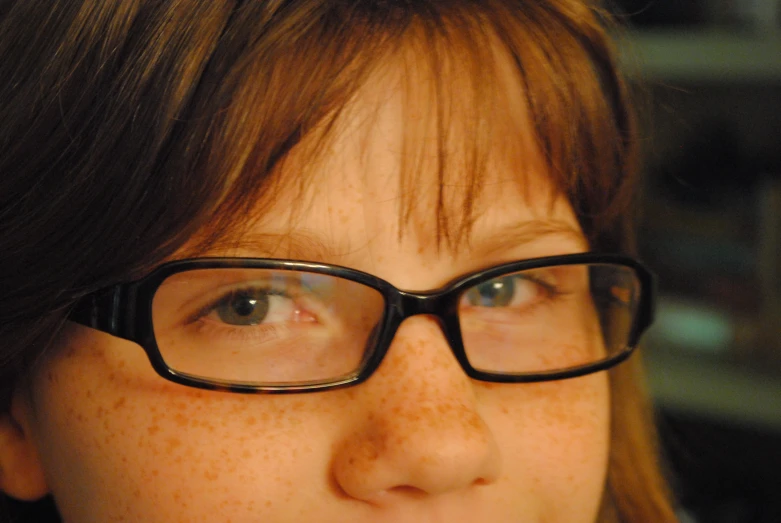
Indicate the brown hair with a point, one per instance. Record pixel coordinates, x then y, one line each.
128 126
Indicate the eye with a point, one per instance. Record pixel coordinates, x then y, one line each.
512 291
498 292
243 307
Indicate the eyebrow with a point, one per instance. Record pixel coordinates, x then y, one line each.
297 245
308 245
515 235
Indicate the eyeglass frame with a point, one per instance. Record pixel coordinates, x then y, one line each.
124 310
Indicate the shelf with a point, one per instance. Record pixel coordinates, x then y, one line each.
704 56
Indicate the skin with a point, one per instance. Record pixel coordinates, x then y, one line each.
419 441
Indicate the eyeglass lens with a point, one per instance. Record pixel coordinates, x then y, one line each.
281 327
548 319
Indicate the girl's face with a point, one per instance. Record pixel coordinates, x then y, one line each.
419 441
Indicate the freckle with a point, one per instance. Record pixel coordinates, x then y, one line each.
210 475
173 443
251 420
153 429
119 403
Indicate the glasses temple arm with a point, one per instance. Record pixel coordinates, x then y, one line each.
100 310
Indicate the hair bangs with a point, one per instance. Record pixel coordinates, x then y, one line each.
285 95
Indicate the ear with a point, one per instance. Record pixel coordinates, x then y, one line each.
21 472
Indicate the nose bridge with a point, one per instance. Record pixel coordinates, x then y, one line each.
423 431
419 340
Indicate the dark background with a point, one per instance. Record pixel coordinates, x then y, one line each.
711 229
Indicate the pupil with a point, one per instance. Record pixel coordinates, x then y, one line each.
243 305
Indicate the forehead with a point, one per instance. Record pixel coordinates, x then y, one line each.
440 135
440 115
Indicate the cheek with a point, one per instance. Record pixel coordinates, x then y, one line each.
116 441
555 438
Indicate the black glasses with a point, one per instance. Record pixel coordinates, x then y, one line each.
259 325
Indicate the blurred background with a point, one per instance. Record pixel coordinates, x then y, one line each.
711 229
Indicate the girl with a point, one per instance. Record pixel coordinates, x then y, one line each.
320 260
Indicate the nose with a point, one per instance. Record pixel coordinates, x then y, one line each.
416 428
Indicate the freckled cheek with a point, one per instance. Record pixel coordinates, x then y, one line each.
573 405
112 430
554 437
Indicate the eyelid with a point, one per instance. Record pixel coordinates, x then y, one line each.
549 288
536 276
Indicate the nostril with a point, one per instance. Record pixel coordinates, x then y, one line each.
407 491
